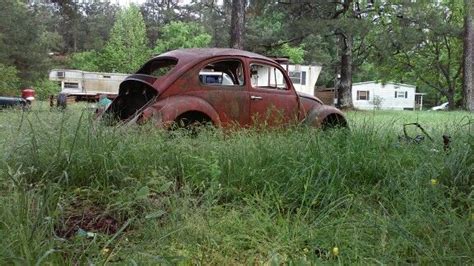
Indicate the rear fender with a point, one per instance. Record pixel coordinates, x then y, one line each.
165 112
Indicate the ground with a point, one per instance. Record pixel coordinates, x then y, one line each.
72 191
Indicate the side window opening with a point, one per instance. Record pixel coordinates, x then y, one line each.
267 77
222 73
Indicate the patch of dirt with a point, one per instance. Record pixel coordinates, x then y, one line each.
88 218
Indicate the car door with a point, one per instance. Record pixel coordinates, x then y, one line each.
273 102
222 84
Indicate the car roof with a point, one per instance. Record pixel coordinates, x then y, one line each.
199 54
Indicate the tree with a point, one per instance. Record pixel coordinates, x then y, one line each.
468 59
421 43
267 33
86 61
21 44
215 19
70 23
126 50
8 80
159 13
177 35
333 34
237 24
96 23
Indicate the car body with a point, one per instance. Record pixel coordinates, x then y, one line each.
11 102
444 106
225 87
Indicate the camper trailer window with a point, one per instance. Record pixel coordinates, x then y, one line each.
71 85
267 77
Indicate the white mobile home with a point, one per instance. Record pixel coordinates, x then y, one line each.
395 96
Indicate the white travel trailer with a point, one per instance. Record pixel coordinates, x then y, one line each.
304 77
86 86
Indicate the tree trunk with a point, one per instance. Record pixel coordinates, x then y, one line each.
344 86
237 24
450 96
468 72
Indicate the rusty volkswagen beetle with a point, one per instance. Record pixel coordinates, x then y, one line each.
224 87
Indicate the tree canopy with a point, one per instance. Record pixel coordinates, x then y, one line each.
127 48
354 40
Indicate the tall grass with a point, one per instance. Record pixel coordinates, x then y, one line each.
249 196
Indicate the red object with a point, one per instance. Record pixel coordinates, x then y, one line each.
28 94
224 87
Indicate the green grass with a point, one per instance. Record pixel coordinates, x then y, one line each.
245 197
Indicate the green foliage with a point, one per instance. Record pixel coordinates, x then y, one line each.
44 88
265 30
87 61
126 50
176 35
296 54
422 46
20 41
52 41
8 81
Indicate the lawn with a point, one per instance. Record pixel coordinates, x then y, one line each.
74 192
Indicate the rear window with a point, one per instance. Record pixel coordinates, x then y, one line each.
158 67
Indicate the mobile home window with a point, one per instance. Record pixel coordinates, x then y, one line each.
401 94
363 95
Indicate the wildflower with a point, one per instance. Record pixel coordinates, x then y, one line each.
335 251
305 250
434 182
105 251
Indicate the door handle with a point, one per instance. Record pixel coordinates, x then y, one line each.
255 98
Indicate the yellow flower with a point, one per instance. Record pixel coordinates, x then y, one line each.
434 182
105 251
335 251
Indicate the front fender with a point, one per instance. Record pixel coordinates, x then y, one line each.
164 112
316 116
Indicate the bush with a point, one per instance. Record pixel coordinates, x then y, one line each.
44 88
86 61
9 81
